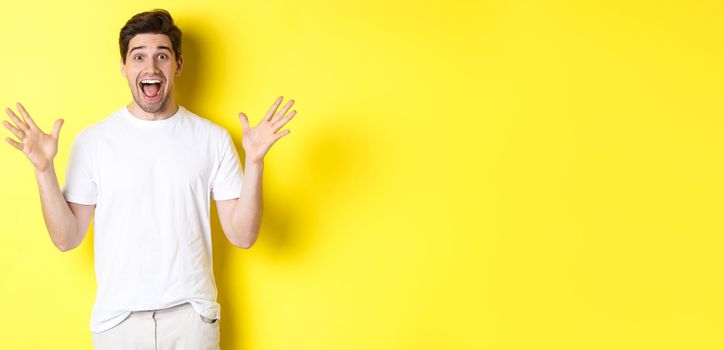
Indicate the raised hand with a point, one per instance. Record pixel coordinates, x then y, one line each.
257 140
38 146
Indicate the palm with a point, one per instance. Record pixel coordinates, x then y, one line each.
257 140
39 147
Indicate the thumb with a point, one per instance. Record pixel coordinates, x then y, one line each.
56 128
244 120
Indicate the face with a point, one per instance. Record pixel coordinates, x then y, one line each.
150 69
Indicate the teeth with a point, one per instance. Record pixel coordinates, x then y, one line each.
150 82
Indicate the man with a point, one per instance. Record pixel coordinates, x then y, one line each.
147 173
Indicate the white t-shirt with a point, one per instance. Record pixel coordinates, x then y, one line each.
152 183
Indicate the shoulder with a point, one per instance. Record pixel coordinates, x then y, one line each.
100 128
201 124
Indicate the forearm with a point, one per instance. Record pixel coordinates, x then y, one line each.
59 219
246 218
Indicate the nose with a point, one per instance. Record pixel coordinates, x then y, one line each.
151 65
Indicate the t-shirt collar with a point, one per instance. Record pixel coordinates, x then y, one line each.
152 123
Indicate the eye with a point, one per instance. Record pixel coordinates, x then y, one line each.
163 56
138 57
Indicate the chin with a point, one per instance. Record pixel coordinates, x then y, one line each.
153 107
150 109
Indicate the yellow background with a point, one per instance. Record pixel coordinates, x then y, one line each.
461 175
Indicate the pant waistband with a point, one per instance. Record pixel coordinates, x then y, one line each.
176 308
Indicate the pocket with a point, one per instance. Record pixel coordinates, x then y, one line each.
208 320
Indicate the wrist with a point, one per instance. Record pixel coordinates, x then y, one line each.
45 174
254 163
45 170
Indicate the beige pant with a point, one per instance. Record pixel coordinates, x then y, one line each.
176 328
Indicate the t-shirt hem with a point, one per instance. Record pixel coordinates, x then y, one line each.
196 304
79 200
225 196
110 323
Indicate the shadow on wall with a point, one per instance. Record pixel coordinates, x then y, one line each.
187 87
328 167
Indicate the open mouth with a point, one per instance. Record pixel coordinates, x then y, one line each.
150 88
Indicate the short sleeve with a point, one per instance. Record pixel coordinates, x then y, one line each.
229 177
80 184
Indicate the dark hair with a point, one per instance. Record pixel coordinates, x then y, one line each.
157 21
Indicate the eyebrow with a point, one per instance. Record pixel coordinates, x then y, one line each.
143 47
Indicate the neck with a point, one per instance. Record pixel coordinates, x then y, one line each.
166 112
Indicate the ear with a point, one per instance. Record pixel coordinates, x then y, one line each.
179 65
123 69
